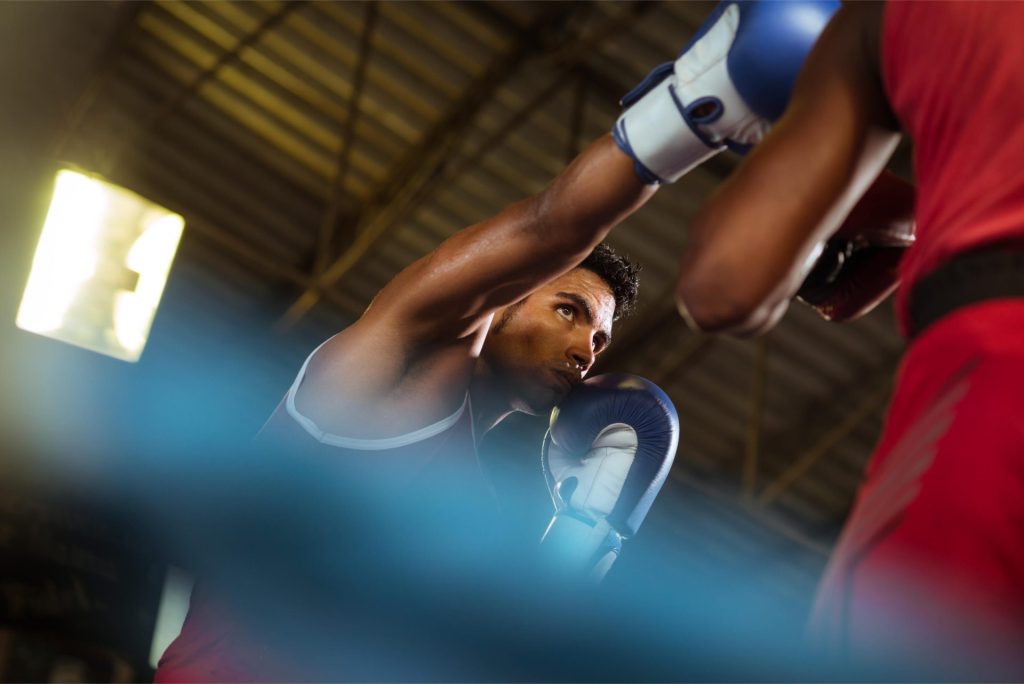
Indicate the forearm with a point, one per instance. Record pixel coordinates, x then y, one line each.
760 229
502 259
549 233
593 194
881 226
755 241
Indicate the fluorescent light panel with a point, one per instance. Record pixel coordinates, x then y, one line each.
100 267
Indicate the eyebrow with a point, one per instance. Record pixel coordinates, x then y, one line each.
588 313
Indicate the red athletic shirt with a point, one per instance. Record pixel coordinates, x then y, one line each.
954 75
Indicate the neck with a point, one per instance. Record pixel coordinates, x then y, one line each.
490 404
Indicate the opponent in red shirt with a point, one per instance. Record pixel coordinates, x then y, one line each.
929 571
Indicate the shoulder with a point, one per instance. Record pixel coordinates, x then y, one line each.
366 383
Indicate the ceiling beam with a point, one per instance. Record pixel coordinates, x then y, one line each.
576 115
752 447
418 175
336 191
761 517
209 230
172 102
108 60
874 401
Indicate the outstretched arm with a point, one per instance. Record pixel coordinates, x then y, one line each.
447 293
751 243
407 361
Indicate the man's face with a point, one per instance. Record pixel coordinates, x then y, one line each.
540 347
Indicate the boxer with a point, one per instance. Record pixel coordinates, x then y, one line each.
507 315
929 571
729 83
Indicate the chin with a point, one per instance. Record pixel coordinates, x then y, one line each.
536 395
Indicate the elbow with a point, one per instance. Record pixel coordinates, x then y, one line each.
712 307
712 291
725 306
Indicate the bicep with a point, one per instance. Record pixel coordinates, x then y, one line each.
759 227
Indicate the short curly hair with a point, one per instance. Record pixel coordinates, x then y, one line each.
621 274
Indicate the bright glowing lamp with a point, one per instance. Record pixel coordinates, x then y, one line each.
100 266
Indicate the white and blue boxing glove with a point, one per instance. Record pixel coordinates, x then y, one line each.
606 455
726 87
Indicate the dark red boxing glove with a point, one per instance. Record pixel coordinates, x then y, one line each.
859 264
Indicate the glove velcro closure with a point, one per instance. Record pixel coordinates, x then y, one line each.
577 545
657 134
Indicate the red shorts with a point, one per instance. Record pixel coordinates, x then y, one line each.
929 570
214 648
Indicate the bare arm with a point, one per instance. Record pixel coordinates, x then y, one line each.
407 361
502 259
749 244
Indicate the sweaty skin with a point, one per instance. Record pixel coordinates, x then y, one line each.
544 346
409 360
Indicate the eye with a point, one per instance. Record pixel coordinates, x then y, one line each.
566 310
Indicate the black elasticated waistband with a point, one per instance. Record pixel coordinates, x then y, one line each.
969 278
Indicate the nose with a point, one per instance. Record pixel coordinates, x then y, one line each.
581 353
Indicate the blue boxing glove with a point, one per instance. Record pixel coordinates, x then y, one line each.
605 457
726 87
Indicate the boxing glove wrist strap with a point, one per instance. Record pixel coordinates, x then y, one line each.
573 542
664 146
